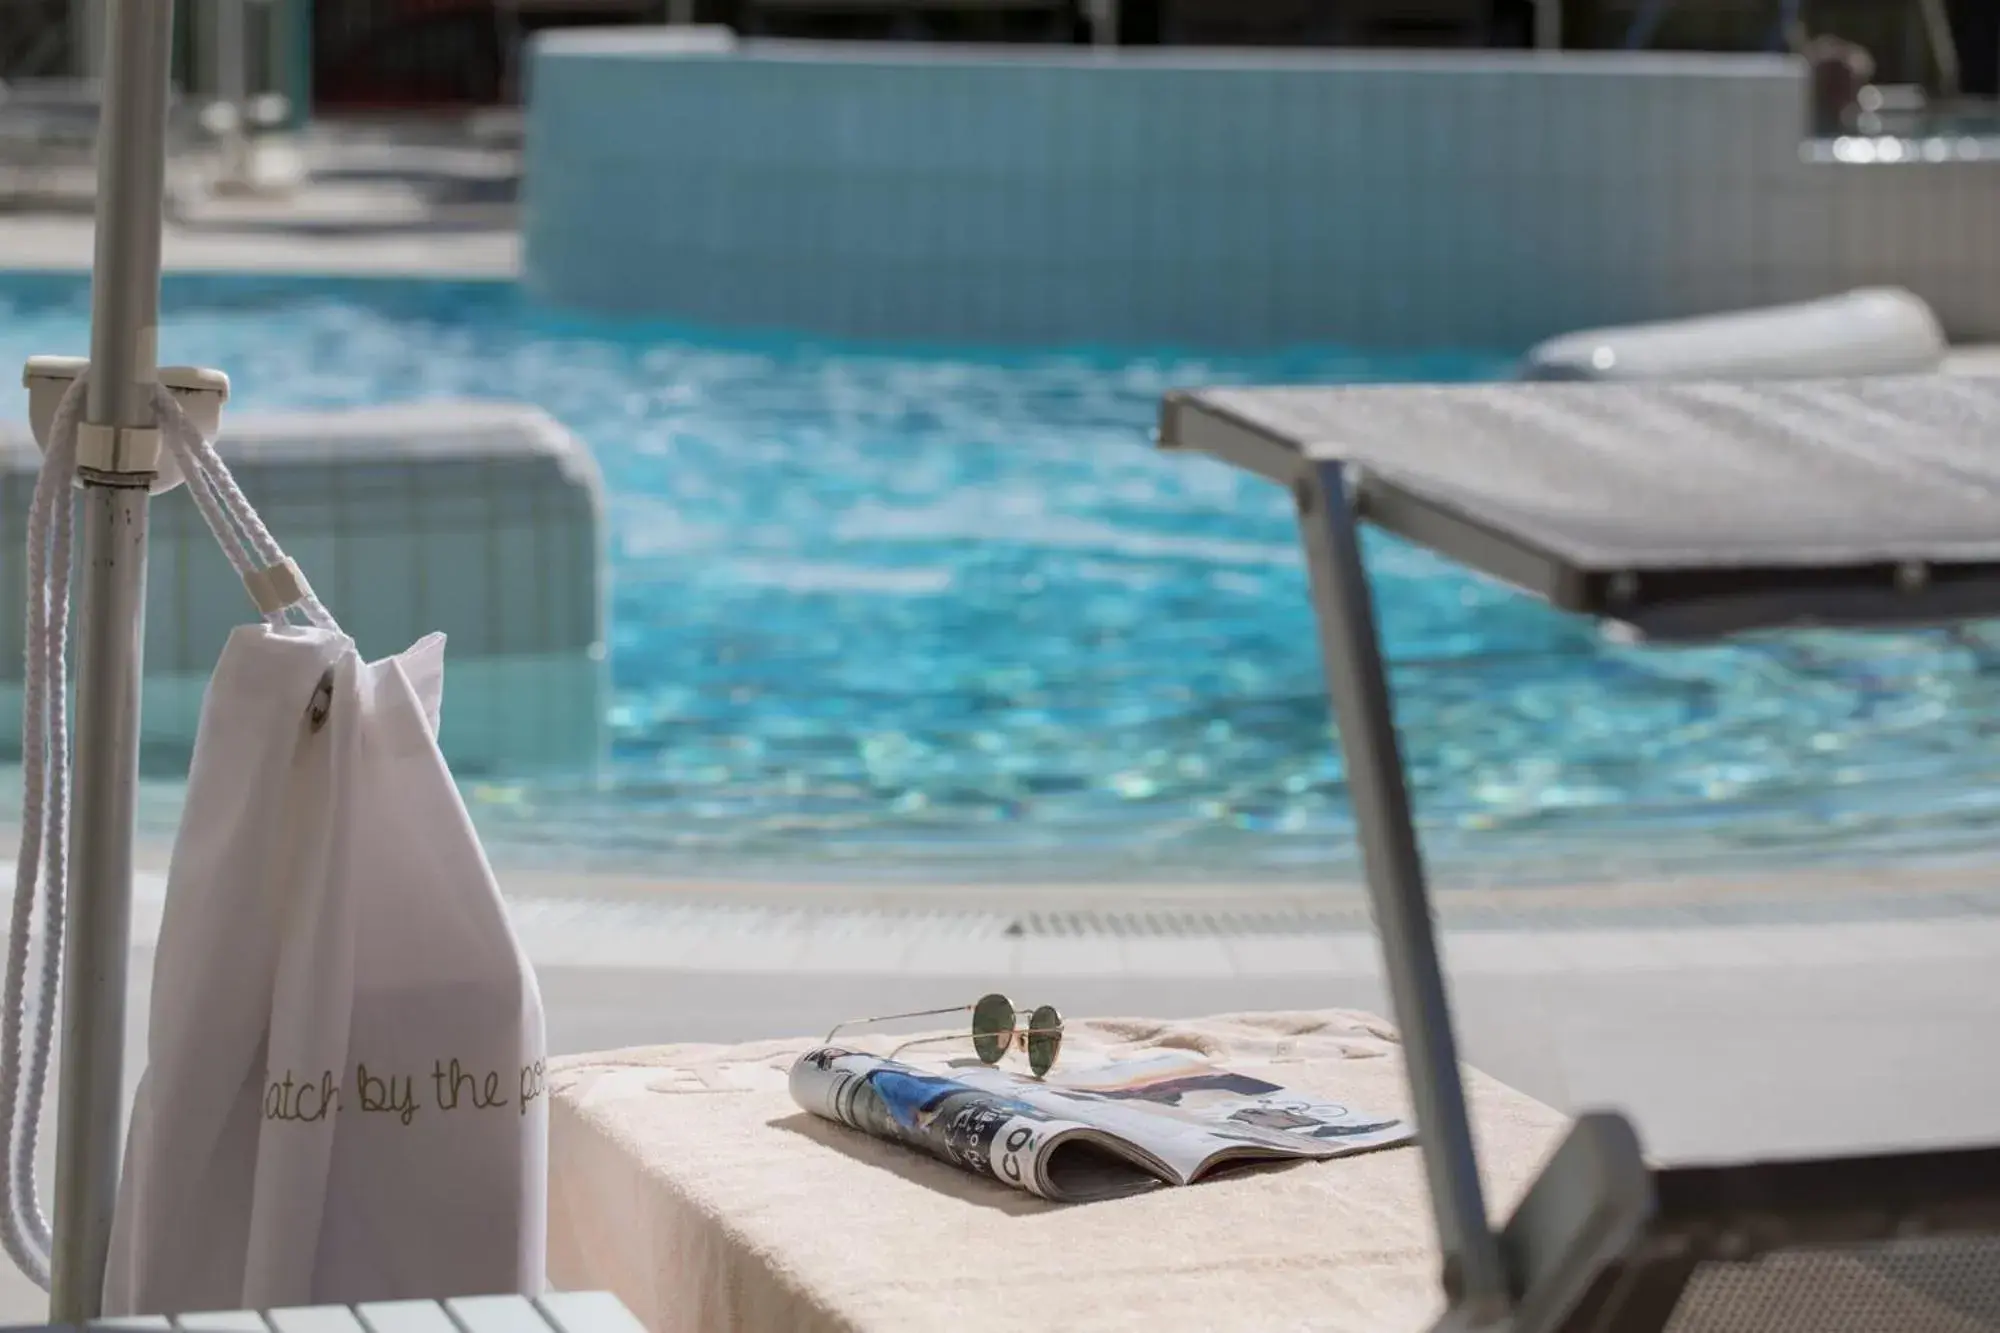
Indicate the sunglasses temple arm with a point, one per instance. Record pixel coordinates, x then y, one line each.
922 1041
892 1018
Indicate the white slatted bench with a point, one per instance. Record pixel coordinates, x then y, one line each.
558 1312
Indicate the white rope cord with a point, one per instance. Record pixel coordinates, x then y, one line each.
23 1228
212 513
198 459
41 872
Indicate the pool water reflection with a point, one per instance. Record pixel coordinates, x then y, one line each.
946 614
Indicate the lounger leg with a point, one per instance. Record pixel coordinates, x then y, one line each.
1474 1278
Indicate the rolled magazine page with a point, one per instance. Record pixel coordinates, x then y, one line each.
1192 1116
983 1130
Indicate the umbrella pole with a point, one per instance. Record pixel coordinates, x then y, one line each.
117 456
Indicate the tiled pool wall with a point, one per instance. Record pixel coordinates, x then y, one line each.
1212 199
501 553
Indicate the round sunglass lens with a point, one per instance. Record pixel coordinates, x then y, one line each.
1044 1039
992 1028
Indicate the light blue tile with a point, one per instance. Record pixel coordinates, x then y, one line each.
758 192
496 1314
315 1319
587 1312
222 1321
405 1317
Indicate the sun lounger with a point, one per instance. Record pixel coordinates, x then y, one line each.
44 128
1678 511
686 1180
48 133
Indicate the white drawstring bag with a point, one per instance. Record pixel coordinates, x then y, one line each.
343 1099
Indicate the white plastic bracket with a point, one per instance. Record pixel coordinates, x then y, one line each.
200 392
127 449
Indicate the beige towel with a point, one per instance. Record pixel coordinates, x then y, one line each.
684 1179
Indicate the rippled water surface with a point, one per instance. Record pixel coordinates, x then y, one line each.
946 613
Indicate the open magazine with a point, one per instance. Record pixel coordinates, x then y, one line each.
1098 1133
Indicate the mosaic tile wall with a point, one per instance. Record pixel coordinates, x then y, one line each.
481 521
1227 200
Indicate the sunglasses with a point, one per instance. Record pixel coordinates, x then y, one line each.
996 1026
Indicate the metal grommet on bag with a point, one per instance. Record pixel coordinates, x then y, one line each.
322 701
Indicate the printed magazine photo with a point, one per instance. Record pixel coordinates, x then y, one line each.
1097 1133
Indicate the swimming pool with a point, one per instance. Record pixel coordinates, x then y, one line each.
946 614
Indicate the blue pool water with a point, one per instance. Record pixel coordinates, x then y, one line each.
939 613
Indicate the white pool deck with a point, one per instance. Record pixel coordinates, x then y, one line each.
351 216
1818 1033
1845 1017
63 244
1811 1029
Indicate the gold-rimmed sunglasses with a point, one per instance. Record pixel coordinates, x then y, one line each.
996 1025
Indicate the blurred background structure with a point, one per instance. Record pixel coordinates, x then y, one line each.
331 55
253 76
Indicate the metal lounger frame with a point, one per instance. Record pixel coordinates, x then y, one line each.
1600 1241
